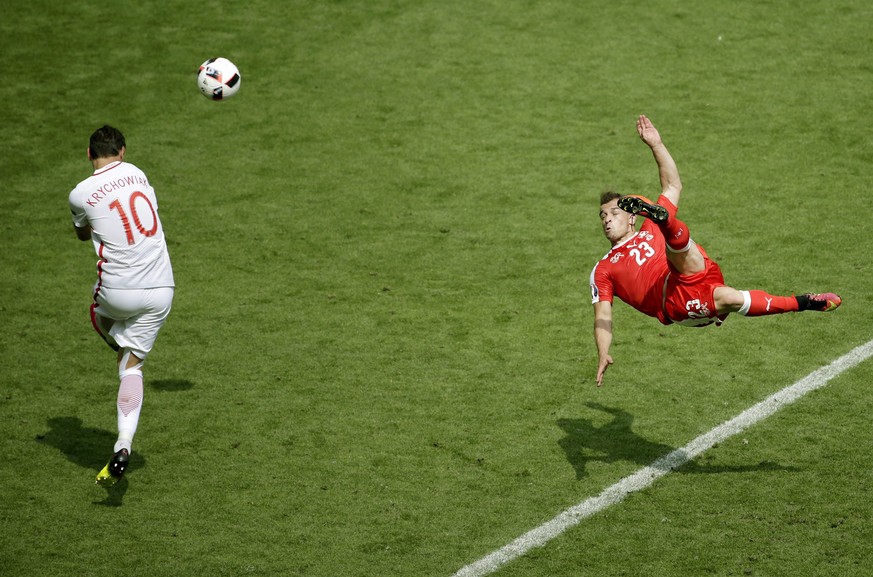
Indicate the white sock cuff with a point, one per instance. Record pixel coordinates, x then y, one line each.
131 372
686 248
747 303
122 364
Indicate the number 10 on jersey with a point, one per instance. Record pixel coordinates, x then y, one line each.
125 220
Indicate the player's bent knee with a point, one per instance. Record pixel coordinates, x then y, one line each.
129 360
688 262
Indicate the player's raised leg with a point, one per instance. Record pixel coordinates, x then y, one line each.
681 250
676 233
103 325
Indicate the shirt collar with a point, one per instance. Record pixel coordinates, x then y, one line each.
109 166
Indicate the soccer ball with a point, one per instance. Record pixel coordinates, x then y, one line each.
218 79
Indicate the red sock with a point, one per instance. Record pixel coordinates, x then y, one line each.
676 234
759 303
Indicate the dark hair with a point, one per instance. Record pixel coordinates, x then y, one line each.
106 142
608 196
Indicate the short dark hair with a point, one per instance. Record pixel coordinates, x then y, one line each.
608 196
106 142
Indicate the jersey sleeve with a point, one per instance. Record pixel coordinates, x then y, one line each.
80 220
601 285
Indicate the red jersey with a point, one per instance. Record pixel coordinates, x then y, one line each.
636 272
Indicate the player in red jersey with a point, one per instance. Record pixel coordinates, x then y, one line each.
661 272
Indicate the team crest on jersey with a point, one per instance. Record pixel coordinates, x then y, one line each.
616 257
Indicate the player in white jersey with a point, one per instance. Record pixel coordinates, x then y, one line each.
116 208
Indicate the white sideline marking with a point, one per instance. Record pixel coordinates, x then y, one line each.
648 475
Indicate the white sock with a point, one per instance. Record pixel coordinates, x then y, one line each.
130 392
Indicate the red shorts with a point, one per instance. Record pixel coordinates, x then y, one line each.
689 300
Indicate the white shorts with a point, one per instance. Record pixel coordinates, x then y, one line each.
138 314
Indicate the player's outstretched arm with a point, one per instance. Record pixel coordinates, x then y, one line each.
602 337
671 185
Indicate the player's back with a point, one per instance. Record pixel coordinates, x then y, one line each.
122 210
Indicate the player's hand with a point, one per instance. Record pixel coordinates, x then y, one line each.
647 131
601 368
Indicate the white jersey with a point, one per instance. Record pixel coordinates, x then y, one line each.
122 210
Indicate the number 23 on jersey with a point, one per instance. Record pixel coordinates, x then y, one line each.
642 252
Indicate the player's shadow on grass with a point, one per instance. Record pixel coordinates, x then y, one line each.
88 448
616 441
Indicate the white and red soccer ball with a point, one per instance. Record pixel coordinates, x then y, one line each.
218 79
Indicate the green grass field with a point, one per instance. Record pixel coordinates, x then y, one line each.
379 361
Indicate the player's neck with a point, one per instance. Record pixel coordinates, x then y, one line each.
632 233
99 163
